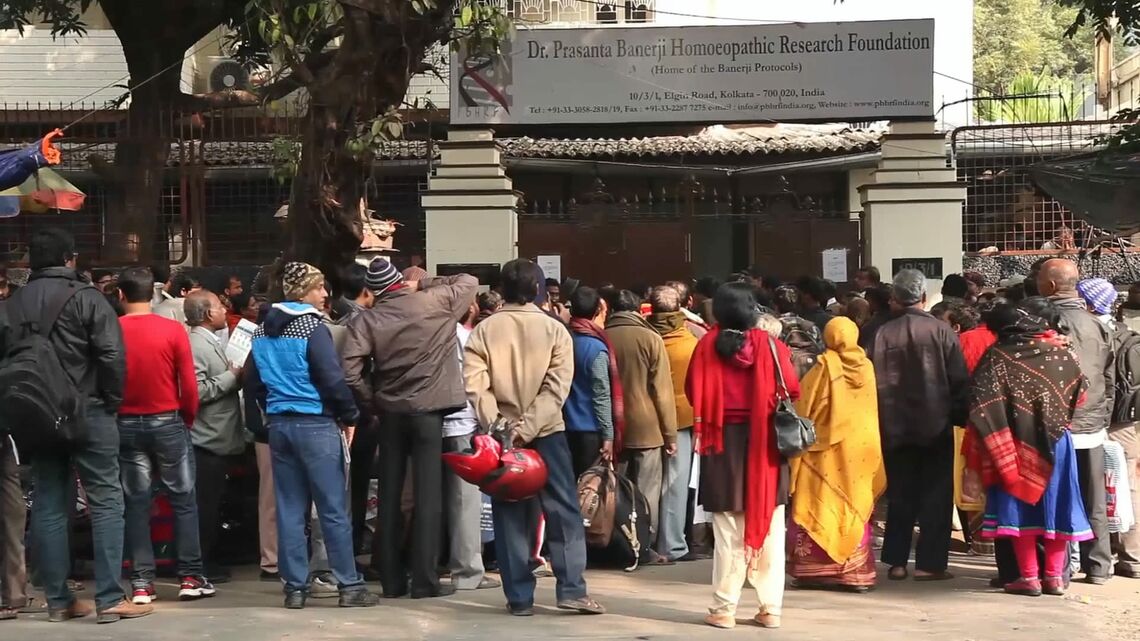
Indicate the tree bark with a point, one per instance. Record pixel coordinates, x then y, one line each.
382 47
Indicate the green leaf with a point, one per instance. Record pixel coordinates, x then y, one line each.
313 8
377 127
394 129
466 15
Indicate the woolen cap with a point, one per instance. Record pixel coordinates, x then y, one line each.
382 274
299 279
1098 294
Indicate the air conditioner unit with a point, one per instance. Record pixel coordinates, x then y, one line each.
224 73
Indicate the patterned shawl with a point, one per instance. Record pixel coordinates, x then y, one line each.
1022 399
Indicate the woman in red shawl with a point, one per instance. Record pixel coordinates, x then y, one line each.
1022 399
744 480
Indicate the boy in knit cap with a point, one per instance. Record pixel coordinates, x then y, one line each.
295 379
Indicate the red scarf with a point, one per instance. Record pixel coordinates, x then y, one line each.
705 387
587 327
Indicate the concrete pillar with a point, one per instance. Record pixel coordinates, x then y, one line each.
912 210
469 205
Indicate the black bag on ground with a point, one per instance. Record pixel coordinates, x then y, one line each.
630 541
41 404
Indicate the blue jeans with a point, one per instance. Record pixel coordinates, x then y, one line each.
565 535
308 467
54 478
675 499
149 444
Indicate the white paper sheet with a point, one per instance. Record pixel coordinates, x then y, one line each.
835 264
551 266
240 343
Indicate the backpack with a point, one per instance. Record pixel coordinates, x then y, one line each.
597 500
42 405
803 339
630 539
1126 397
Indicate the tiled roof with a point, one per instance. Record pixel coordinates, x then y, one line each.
717 140
757 140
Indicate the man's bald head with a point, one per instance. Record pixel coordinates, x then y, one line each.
1058 277
204 308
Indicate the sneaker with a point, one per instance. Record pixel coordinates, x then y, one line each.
124 610
295 600
585 605
195 587
144 594
358 598
323 586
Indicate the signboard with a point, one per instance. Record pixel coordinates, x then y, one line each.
930 267
753 73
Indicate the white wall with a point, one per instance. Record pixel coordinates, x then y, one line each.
953 30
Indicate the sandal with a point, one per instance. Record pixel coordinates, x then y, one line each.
7 614
659 560
944 575
898 573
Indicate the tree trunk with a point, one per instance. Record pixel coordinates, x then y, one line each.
324 206
134 202
374 63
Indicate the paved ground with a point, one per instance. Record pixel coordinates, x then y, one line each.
657 603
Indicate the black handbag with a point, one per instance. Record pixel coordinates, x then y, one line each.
794 433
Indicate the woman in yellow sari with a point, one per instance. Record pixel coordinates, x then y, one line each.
836 482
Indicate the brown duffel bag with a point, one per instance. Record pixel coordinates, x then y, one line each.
597 500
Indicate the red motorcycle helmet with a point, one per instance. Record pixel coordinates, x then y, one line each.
521 474
476 464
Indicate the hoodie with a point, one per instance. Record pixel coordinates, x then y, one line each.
647 382
295 368
1092 342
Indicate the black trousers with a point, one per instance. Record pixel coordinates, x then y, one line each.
1096 555
584 448
364 444
920 489
419 436
211 485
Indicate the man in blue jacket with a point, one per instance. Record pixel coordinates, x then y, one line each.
296 380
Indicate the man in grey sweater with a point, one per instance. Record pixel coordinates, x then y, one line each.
1092 342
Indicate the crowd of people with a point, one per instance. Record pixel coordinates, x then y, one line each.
1011 404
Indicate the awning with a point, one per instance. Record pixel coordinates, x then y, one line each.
1103 188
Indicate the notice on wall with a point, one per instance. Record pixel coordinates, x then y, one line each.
835 264
866 70
551 266
240 343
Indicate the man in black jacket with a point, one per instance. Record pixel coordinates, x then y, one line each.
89 343
921 377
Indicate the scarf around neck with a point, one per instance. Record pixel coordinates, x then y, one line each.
1022 399
705 386
667 322
587 327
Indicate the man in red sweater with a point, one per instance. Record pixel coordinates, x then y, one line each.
160 400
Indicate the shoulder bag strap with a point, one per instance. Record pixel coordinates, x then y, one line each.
783 388
55 308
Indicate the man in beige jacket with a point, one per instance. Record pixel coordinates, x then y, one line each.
518 365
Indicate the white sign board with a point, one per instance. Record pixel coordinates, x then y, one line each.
551 266
752 73
835 264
